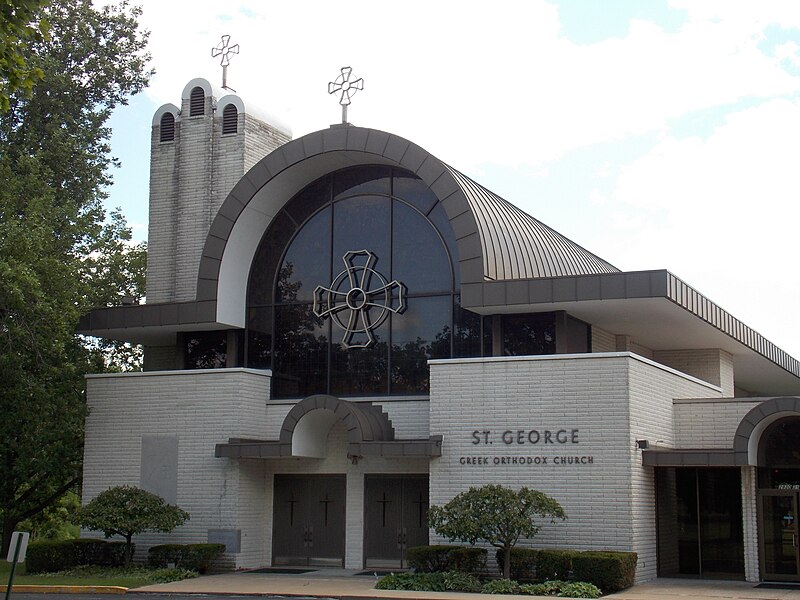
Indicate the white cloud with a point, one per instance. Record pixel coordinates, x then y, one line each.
477 84
722 214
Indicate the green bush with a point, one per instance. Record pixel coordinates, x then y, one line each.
428 559
48 557
440 558
568 589
610 571
88 551
418 582
197 557
523 563
554 564
500 586
467 559
580 589
114 554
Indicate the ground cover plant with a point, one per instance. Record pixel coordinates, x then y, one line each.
129 577
454 581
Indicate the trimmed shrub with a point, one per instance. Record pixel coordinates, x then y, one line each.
554 564
197 557
114 554
428 559
467 559
48 557
610 571
500 586
523 563
440 558
88 551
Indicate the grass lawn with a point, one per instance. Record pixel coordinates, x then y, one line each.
130 578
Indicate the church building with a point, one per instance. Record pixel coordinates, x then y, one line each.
341 330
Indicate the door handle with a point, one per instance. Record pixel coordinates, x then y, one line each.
399 539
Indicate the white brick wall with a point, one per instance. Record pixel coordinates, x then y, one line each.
201 408
189 179
611 399
709 422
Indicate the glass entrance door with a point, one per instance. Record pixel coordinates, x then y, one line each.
780 554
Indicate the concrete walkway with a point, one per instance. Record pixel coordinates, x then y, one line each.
338 583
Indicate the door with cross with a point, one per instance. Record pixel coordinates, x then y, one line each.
395 518
309 519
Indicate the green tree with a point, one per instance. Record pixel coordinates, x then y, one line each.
54 170
129 511
495 514
20 25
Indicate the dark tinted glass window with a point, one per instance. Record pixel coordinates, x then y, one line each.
308 260
363 245
300 352
362 223
419 258
360 371
529 334
467 336
421 333
205 350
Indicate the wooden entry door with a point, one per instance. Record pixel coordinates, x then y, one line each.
395 518
309 520
780 546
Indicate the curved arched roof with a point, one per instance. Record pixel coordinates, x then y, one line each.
496 241
517 246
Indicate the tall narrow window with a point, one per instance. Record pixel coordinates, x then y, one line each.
230 119
167 127
197 102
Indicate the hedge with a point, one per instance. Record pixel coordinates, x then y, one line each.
554 564
441 558
610 571
196 557
523 563
50 556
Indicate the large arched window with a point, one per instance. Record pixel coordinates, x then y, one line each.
355 286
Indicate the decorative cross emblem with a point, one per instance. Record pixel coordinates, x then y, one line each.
383 504
226 51
325 503
422 504
359 299
346 87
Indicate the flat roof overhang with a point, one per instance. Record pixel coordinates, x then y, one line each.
274 449
151 324
656 308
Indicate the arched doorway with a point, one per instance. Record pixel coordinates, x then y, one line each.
779 499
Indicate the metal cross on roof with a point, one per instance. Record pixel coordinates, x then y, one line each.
346 87
226 51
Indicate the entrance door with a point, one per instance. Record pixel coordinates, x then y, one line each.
309 519
780 551
395 518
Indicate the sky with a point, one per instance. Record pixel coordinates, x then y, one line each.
658 134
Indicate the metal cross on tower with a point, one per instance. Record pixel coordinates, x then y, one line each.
226 51
346 87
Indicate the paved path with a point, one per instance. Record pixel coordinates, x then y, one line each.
337 583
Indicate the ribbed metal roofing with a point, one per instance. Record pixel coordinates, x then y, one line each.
517 246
